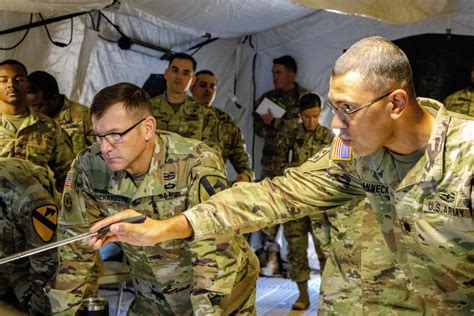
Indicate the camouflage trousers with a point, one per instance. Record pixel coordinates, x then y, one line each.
296 234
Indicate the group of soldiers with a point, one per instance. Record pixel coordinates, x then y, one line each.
165 156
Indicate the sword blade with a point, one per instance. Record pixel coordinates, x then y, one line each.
101 232
46 247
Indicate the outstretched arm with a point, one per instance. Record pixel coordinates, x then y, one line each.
148 233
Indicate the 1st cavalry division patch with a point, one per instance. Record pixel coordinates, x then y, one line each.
210 185
45 220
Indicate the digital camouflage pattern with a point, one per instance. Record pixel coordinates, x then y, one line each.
339 231
295 146
74 118
28 219
425 218
461 101
270 162
192 120
40 140
233 145
215 276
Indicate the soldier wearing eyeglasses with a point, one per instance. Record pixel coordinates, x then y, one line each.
159 174
408 156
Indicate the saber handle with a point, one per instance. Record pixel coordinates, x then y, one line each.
101 232
131 220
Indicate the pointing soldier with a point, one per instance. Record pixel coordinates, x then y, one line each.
412 162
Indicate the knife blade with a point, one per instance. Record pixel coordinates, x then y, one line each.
100 232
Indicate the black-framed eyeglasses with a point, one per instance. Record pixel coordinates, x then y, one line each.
348 111
116 138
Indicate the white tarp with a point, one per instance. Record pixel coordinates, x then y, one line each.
53 6
314 37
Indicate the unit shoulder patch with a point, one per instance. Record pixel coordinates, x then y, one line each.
45 220
210 185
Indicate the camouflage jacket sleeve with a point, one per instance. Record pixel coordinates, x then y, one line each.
77 267
62 156
214 263
318 184
38 213
234 141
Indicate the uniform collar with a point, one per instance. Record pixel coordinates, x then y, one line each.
152 184
430 167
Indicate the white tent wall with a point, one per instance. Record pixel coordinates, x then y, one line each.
90 63
317 40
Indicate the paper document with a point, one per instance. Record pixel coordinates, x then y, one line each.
268 104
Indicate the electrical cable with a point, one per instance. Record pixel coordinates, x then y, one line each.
59 44
22 39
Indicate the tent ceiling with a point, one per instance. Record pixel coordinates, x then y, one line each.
232 18
220 18
53 6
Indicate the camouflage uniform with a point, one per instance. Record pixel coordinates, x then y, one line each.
28 220
192 120
271 162
461 101
74 118
425 218
40 140
340 232
302 144
214 276
233 144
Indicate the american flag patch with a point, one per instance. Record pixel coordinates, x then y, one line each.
341 151
68 181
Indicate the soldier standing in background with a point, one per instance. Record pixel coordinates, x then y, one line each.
462 101
28 134
73 117
287 92
161 174
410 157
295 146
179 113
28 220
232 142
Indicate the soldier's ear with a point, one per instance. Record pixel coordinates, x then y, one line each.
398 102
150 127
